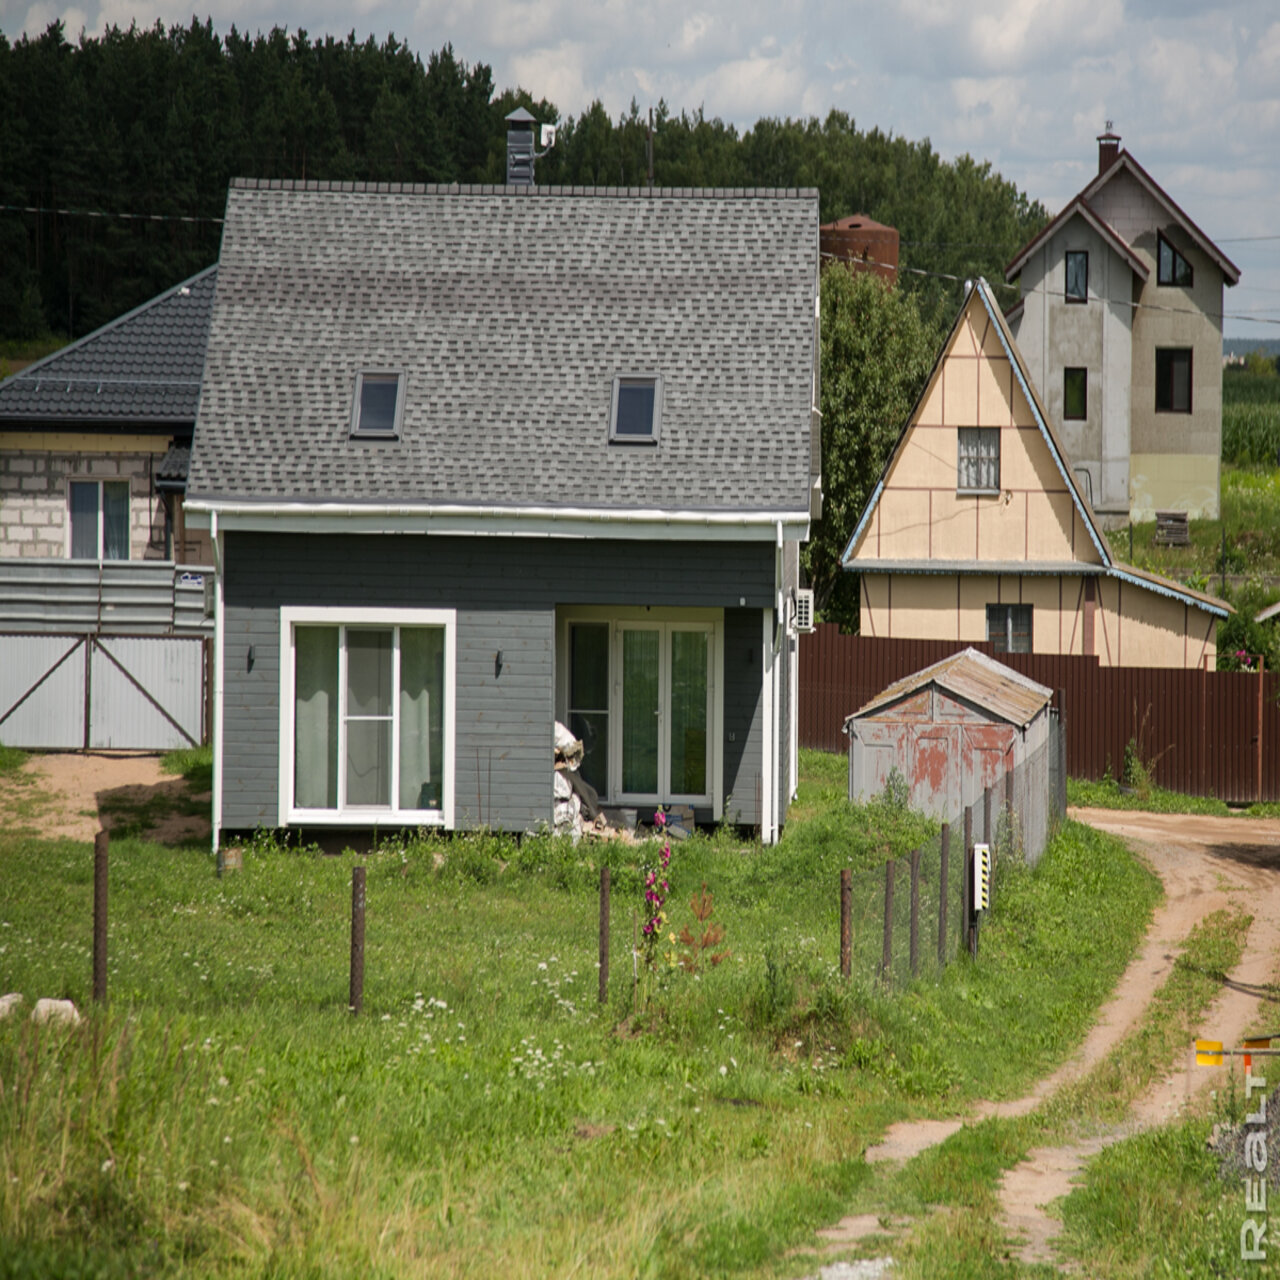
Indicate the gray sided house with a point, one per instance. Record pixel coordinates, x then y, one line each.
1120 324
475 460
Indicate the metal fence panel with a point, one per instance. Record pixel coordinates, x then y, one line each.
147 692
1204 732
144 693
42 692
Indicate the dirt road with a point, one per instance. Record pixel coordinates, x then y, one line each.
1205 864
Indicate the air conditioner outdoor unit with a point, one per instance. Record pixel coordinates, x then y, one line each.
804 609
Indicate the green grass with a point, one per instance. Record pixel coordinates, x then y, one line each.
195 764
1107 794
1250 517
1131 1191
227 1115
1155 1205
11 759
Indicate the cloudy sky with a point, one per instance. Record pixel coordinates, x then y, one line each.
1193 86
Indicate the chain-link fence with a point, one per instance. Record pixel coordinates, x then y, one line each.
911 917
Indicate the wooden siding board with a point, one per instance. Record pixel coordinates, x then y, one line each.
505 591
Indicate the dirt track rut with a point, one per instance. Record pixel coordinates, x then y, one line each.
1205 864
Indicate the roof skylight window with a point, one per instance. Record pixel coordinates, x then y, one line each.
636 413
379 404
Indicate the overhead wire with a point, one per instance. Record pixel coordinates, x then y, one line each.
1246 316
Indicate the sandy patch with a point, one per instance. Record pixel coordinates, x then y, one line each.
73 795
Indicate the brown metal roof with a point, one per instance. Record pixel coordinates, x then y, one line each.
976 678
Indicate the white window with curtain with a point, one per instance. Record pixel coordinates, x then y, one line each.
367 715
99 519
979 462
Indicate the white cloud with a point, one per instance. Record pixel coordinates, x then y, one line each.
1192 85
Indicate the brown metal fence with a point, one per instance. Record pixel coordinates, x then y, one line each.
1209 733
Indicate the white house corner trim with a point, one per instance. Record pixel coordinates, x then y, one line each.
793 746
768 694
219 683
717 738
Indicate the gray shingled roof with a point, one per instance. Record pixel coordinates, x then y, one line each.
141 369
510 312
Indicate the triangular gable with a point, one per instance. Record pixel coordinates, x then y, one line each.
1127 163
998 341
1079 208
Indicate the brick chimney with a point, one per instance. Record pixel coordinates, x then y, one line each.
1108 149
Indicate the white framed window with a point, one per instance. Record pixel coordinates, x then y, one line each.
379 404
367 706
635 416
642 688
98 523
979 461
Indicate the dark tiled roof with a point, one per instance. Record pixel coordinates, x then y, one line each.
171 470
143 368
510 311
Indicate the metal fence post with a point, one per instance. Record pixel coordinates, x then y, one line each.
846 921
1008 806
101 847
966 879
944 858
886 955
915 912
357 939
604 934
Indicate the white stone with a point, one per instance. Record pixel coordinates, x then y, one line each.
10 1004
60 1011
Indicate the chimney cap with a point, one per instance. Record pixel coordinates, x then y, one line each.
520 116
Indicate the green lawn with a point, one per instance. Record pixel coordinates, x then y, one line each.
1250 518
228 1116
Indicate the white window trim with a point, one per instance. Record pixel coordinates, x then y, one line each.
128 524
971 490
653 436
711 620
291 617
369 433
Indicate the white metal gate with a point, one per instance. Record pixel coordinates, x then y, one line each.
99 692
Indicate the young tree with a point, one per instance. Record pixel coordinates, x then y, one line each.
877 351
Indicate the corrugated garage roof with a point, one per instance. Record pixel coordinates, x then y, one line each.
978 679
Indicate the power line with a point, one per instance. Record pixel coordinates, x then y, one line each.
98 213
1246 316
